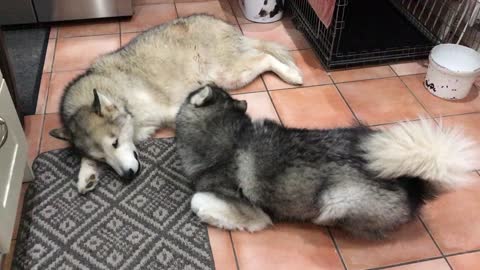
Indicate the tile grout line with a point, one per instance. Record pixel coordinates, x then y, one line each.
70 70
52 113
232 12
346 102
46 94
182 2
392 70
134 32
50 79
453 115
246 93
339 253
333 82
234 250
362 80
298 86
408 74
39 143
273 103
53 57
463 252
176 10
386 267
46 99
119 43
435 242
120 30
91 35
39 150
400 121
416 98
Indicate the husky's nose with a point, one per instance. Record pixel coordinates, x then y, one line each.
129 175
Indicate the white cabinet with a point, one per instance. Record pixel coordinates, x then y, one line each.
14 168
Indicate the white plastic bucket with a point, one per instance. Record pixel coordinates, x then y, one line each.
262 11
452 71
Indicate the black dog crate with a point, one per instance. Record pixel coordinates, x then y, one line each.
366 32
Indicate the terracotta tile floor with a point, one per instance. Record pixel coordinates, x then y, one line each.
445 237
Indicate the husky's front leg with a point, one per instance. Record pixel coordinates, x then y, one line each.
87 177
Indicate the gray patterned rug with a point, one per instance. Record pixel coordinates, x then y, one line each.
146 224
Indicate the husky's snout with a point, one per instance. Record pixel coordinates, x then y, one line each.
132 173
125 162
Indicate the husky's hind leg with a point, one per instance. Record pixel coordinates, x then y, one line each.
87 177
284 64
249 65
228 213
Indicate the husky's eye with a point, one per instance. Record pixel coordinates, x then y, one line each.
115 144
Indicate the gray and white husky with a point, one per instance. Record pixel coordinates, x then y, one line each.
128 94
367 182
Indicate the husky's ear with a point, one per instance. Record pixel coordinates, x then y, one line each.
241 105
96 106
202 96
100 101
61 133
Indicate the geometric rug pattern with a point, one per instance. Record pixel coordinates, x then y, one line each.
145 224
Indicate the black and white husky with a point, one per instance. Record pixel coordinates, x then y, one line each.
367 182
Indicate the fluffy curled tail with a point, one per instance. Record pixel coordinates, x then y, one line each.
441 156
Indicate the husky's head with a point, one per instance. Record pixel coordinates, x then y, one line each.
212 100
104 132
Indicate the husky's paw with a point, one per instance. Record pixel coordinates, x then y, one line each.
87 177
217 220
295 76
261 222
220 213
86 185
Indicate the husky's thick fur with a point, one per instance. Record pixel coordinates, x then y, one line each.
367 182
126 95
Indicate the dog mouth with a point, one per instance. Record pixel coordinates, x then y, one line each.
135 154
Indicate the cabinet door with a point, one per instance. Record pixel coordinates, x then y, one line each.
13 165
16 12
